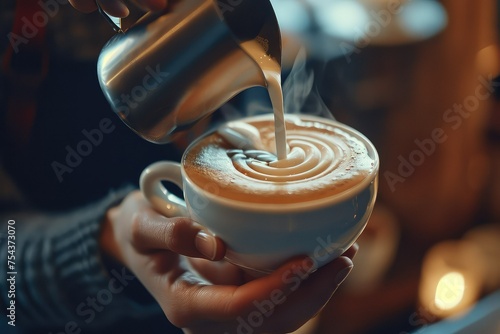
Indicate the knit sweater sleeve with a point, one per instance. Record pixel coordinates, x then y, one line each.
57 277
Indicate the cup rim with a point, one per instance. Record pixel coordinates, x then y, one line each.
299 206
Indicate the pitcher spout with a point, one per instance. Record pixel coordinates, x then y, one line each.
171 69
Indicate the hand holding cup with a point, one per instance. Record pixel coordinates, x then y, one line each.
315 203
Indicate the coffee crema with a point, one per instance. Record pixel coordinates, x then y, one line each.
322 161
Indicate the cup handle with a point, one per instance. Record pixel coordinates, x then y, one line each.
160 198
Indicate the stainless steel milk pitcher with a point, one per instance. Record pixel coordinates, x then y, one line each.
174 67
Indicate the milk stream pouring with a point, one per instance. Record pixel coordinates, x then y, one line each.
175 67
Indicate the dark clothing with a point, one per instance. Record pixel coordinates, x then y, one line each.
80 161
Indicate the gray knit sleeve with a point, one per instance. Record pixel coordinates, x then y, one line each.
57 277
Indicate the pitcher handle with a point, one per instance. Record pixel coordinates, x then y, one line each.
115 25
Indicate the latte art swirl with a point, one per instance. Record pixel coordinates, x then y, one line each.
321 161
311 155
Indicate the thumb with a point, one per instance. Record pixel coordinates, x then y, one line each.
153 232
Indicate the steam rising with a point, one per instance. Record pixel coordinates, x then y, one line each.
300 92
300 96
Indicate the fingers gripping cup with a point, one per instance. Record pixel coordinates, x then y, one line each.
316 202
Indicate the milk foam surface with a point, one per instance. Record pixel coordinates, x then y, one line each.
323 161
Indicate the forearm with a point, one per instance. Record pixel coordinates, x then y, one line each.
60 274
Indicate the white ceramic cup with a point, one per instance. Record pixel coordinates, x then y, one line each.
262 236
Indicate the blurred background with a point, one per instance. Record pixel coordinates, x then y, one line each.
420 79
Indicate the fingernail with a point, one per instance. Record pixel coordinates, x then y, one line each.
342 275
206 245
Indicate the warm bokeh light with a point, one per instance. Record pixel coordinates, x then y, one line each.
452 278
450 291
487 60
